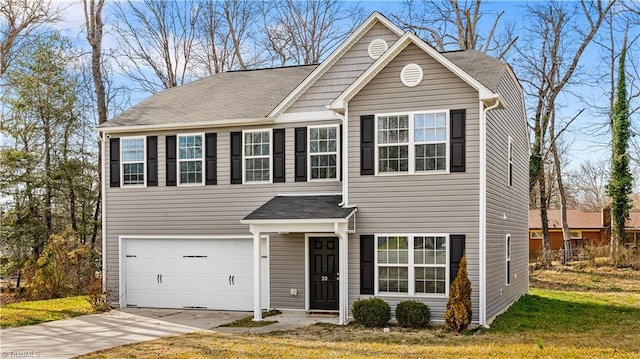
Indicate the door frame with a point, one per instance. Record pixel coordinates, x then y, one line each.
307 270
122 294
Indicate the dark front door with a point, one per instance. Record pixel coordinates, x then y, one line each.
323 258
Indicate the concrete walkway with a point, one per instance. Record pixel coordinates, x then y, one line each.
89 333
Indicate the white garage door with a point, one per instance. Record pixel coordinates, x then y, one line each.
191 273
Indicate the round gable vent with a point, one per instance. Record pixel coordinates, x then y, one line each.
377 47
411 75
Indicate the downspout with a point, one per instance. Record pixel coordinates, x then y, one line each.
103 221
483 213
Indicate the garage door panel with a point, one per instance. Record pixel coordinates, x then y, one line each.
211 273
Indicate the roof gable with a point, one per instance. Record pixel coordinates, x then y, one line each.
373 19
407 39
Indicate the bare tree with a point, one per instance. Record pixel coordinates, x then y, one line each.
304 32
19 19
225 36
591 181
157 41
453 24
556 41
94 27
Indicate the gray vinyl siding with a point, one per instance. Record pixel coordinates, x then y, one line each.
343 72
206 210
287 259
504 200
416 203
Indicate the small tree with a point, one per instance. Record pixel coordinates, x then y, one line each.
458 313
621 181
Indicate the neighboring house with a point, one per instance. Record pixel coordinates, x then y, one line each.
309 187
585 228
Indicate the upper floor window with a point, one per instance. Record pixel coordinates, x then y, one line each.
257 155
323 152
190 159
412 264
414 142
133 161
510 163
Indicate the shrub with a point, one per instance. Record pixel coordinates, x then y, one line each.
64 268
372 312
413 314
97 297
458 313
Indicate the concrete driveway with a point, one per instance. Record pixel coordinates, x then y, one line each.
89 333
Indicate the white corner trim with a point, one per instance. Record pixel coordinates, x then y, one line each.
103 220
398 46
331 60
482 230
345 158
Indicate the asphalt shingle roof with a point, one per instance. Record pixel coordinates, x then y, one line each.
224 96
301 207
254 94
484 68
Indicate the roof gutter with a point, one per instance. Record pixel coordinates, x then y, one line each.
183 126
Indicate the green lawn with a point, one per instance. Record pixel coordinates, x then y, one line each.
40 311
559 319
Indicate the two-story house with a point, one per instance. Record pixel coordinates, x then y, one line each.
308 187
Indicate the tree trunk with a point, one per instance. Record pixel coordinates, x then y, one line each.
566 236
94 24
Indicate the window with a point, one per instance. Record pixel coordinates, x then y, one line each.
575 234
535 234
508 258
412 264
133 161
412 143
323 152
510 163
430 136
257 155
190 159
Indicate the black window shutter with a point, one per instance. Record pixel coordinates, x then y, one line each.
171 161
152 161
456 242
367 135
211 158
114 162
300 154
236 157
366 264
457 162
340 152
278 155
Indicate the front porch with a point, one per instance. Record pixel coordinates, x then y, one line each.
325 226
